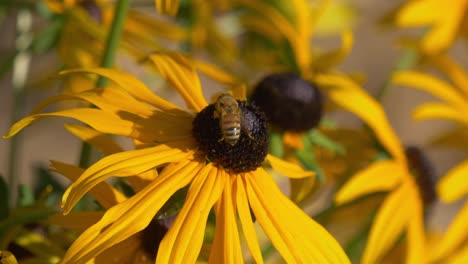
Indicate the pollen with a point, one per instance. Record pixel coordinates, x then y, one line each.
250 150
289 102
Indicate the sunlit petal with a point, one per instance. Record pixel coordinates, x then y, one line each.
184 239
122 164
453 185
348 95
245 217
130 84
432 85
416 252
127 218
391 219
167 7
288 169
456 233
439 111
180 73
380 176
103 192
295 235
226 244
335 57
454 70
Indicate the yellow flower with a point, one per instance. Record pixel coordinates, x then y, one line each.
174 139
87 23
402 208
167 7
454 107
445 19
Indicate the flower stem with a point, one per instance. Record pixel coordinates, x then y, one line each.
108 59
21 65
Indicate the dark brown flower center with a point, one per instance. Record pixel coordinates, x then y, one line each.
423 171
289 102
251 147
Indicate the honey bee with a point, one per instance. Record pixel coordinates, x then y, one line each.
230 118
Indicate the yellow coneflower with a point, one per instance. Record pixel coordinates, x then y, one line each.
446 20
188 146
453 107
402 209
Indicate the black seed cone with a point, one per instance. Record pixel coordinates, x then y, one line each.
422 166
289 102
154 233
247 154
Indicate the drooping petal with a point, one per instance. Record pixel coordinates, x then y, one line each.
335 57
75 220
183 241
459 257
123 164
380 176
454 186
103 192
167 7
131 85
392 218
416 245
428 111
100 120
226 244
348 95
179 71
294 234
127 218
288 169
454 70
214 73
456 233
432 85
123 252
452 138
245 217
100 141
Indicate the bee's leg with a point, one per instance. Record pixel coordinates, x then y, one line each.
221 139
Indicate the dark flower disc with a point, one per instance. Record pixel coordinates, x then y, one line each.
154 233
248 153
289 102
422 167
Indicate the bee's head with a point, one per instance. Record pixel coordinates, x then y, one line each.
226 103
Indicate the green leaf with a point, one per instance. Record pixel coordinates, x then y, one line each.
307 158
25 196
276 144
44 178
7 62
318 138
49 37
4 199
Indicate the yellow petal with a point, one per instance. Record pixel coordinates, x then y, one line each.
125 219
167 7
239 92
439 111
380 176
432 85
455 235
75 220
183 241
100 120
145 23
123 164
288 169
417 13
460 257
294 234
214 73
391 219
453 185
348 95
226 244
333 58
294 140
180 73
100 141
131 85
454 70
141 180
416 248
452 138
103 192
7 257
124 252
245 217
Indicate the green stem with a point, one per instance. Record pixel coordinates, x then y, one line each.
21 65
406 61
108 59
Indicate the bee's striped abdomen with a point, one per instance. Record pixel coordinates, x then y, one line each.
231 128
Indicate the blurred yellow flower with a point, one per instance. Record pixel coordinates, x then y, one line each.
402 209
453 107
446 21
188 149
